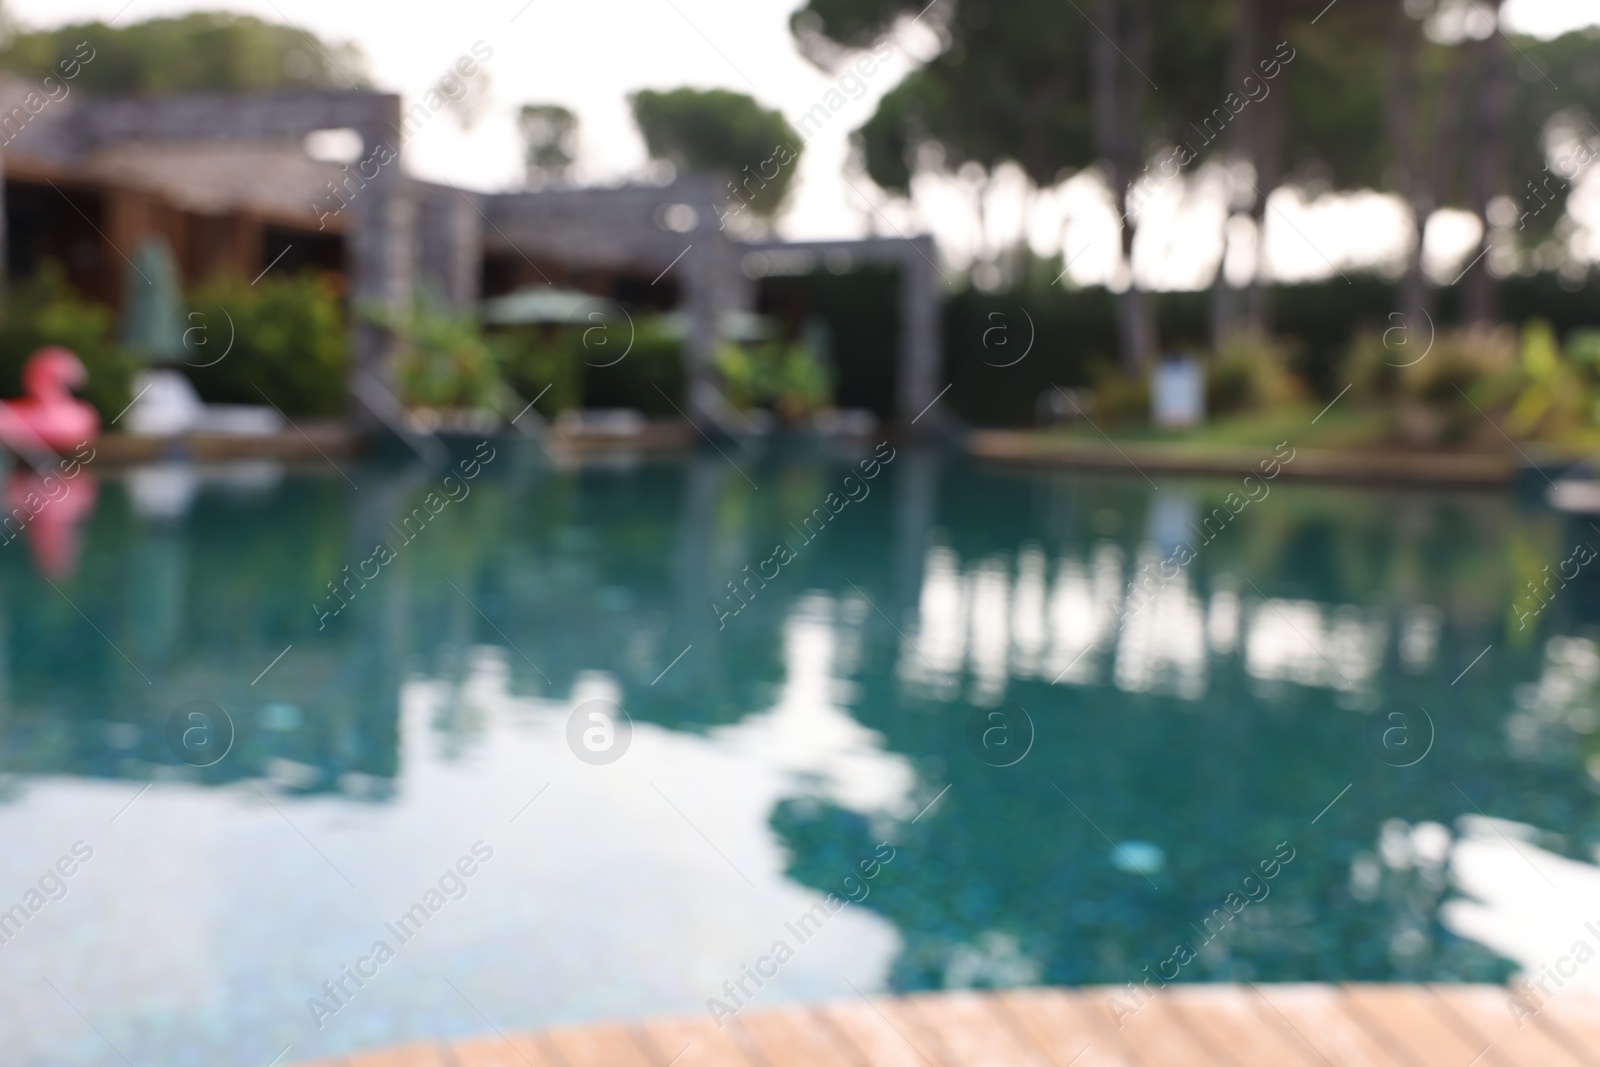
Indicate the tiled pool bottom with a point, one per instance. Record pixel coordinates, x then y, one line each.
1178 740
211 919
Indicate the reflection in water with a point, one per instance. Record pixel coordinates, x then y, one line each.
1560 703
1091 623
808 735
1316 645
1500 869
1206 718
49 510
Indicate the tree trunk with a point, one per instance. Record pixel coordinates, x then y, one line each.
1439 177
1481 298
1242 46
1225 299
1257 135
1266 156
1425 151
1402 104
1118 90
981 205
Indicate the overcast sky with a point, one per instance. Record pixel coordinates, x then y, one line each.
591 55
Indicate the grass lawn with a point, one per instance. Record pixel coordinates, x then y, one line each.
1343 426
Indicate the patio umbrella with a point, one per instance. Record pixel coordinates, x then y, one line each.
545 304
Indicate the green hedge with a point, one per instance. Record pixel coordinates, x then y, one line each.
650 378
1075 339
640 366
289 342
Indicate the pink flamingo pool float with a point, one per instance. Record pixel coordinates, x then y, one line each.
49 414
48 506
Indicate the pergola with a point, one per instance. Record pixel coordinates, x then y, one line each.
917 362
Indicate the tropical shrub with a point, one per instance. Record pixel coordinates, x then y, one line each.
1526 386
1556 399
639 367
538 362
1372 369
1461 361
1583 348
650 378
787 377
1250 373
1391 367
283 339
445 360
1118 397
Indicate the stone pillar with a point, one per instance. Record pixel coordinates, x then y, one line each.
917 381
5 272
739 288
697 288
466 253
379 249
450 239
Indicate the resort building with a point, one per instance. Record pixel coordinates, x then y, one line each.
246 183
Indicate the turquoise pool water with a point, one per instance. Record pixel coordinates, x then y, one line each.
1336 743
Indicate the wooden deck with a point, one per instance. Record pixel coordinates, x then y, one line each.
313 441
1185 1026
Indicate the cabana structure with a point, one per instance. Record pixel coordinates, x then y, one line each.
228 182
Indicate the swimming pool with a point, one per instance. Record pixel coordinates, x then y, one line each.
920 722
